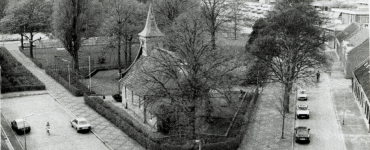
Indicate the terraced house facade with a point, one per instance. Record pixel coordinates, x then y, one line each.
361 89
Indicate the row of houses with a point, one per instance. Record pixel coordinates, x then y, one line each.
351 43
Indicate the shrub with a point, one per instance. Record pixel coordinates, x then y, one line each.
15 77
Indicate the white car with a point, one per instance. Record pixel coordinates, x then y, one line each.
303 111
80 124
302 95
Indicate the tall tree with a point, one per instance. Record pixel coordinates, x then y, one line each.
27 16
168 10
188 76
290 41
122 21
235 15
3 5
211 11
73 21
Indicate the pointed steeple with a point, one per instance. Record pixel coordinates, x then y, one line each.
151 29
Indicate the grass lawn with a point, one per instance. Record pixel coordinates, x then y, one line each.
47 55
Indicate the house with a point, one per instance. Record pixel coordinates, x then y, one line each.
350 15
361 89
353 47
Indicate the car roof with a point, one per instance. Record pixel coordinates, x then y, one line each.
19 120
81 119
301 127
302 105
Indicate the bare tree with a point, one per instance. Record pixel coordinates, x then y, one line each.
121 21
73 21
168 10
211 10
186 78
235 15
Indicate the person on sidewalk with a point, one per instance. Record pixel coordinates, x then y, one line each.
318 76
48 128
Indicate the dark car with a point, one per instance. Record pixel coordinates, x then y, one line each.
20 126
117 97
302 134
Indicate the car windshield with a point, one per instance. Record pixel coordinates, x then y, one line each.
302 108
302 131
20 123
82 122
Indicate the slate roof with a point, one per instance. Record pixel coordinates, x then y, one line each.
362 74
348 32
360 37
135 78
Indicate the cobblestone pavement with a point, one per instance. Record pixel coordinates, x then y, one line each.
105 130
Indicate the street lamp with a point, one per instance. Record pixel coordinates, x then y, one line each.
24 130
69 74
200 143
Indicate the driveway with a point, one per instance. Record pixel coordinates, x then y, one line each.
45 109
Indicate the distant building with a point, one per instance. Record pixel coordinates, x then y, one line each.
361 89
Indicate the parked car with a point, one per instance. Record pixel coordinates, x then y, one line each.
302 134
20 126
117 97
302 95
80 124
303 111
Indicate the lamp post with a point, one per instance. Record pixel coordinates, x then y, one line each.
24 130
89 75
69 74
200 143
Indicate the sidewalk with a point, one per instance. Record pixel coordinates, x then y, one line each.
348 114
108 133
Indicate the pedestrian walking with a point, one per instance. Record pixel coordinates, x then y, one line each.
48 128
318 76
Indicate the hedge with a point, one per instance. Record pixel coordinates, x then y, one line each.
148 140
16 77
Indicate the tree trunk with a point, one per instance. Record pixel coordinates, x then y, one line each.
119 55
282 129
213 39
126 50
129 49
22 41
31 47
192 123
287 90
235 27
75 62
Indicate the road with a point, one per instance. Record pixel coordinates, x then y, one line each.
46 109
325 131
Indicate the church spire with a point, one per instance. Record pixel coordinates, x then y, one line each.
151 29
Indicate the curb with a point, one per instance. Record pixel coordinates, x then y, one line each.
10 146
13 133
75 116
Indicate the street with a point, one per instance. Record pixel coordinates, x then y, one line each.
45 109
325 131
